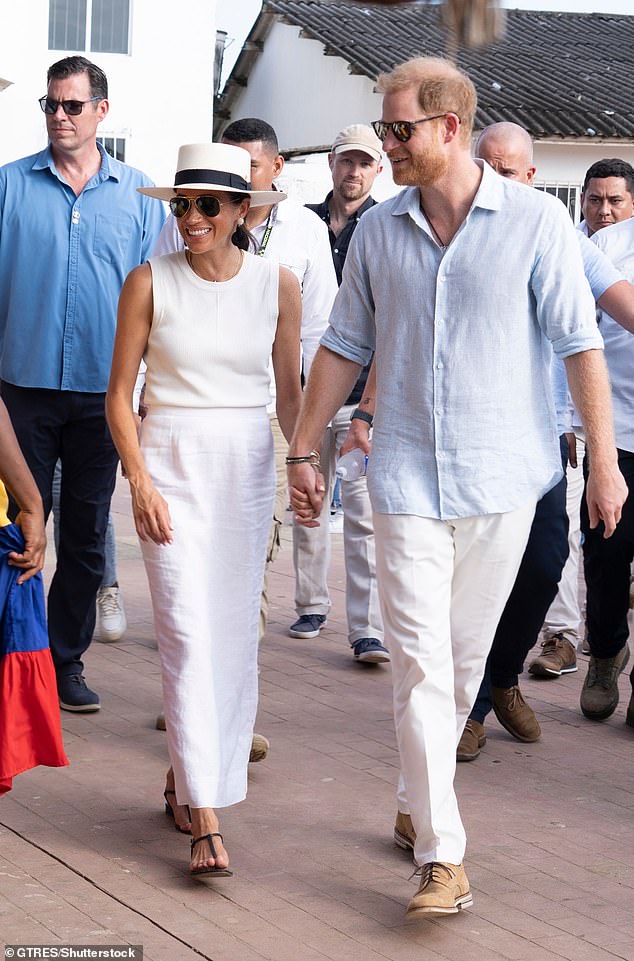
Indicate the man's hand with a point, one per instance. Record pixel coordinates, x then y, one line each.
31 560
572 448
606 492
358 436
306 489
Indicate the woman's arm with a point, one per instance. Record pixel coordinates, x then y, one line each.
19 481
286 352
151 514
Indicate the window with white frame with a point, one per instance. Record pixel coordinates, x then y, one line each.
113 145
568 193
102 26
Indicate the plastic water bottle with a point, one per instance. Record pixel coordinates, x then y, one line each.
352 465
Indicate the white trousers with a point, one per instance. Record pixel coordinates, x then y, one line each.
443 587
564 614
311 546
215 470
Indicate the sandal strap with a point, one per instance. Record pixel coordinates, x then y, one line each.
209 838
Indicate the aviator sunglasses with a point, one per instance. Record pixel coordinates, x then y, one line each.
402 129
72 108
208 206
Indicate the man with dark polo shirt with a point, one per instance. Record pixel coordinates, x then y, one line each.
355 162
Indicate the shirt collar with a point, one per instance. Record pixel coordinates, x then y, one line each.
44 161
489 196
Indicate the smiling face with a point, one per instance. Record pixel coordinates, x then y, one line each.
605 201
74 134
422 160
353 174
202 233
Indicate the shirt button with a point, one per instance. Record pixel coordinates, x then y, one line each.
442 279
439 366
336 250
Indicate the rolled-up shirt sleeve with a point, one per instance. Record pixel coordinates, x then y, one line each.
565 306
352 329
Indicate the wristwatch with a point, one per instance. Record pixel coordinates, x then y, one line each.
358 414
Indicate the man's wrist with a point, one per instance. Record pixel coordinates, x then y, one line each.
364 415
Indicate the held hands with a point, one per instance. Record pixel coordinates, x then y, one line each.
306 488
31 560
606 492
151 514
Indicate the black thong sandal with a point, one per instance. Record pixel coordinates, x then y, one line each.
169 810
219 872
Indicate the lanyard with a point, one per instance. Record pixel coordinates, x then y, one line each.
267 233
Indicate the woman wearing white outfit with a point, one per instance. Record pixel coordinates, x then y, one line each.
205 321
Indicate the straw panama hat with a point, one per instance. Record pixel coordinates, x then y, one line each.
214 166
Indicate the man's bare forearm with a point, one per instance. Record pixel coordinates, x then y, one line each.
331 380
590 388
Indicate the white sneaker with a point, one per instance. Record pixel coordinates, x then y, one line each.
111 620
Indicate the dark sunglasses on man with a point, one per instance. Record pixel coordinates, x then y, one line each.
402 129
72 108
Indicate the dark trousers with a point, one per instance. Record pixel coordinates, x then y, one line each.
606 564
532 594
71 426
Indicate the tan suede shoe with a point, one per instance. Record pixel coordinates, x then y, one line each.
404 833
259 748
472 739
515 714
444 889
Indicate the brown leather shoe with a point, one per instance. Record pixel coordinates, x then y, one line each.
558 657
473 738
259 748
404 833
600 691
444 889
514 714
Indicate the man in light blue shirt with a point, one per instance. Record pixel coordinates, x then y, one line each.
461 284
72 226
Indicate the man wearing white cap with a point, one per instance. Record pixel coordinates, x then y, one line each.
355 162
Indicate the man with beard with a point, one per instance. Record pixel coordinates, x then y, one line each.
355 162
457 284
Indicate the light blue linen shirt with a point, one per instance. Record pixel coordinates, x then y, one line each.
63 261
465 423
617 242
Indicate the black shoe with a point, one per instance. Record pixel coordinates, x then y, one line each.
308 625
370 650
75 695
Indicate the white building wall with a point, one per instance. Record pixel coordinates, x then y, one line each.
156 102
568 162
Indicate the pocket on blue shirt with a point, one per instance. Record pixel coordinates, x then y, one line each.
112 236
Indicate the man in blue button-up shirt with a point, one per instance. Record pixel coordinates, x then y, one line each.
458 283
72 226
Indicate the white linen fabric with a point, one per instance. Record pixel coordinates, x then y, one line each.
443 586
213 464
215 470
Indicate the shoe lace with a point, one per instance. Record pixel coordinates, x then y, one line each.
515 698
434 871
601 673
109 601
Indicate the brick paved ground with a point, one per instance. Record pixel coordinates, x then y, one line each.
87 856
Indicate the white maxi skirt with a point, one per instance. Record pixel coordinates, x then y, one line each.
215 469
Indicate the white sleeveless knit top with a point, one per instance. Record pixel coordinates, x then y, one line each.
210 343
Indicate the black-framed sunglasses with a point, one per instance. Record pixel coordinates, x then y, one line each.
208 206
72 108
402 129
